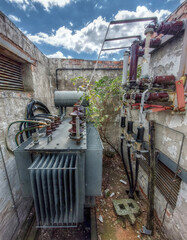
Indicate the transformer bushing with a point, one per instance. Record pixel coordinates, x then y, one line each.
77 123
170 28
164 80
48 130
154 42
160 96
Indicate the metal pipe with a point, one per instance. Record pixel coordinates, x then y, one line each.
125 67
121 38
134 61
142 106
146 58
117 48
132 20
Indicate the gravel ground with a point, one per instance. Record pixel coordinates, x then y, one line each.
113 227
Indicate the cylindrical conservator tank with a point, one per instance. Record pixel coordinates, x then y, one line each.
67 98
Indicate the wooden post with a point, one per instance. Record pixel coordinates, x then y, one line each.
151 177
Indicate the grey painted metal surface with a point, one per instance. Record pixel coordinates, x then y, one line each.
55 187
67 98
93 162
62 175
23 161
60 140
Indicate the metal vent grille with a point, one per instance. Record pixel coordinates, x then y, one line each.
10 74
54 183
164 181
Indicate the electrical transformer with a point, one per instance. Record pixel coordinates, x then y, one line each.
61 172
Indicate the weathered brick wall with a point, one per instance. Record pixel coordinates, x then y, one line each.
65 76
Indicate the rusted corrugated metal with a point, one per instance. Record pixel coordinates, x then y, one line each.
10 74
164 181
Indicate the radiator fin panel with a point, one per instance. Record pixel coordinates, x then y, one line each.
54 182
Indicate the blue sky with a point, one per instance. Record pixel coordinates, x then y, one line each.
76 28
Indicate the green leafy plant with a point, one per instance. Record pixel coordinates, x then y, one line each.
105 101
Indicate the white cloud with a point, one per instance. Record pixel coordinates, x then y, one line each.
98 6
14 18
58 54
89 38
47 4
71 24
181 1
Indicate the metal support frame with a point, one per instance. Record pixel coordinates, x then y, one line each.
132 20
151 178
121 38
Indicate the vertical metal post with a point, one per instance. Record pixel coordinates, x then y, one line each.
151 177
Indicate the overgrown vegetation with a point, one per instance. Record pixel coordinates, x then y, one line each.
104 98
105 101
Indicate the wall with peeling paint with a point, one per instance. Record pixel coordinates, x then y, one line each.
39 84
166 61
13 107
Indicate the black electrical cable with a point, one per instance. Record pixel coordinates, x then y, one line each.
39 108
31 108
42 105
131 172
124 164
136 176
